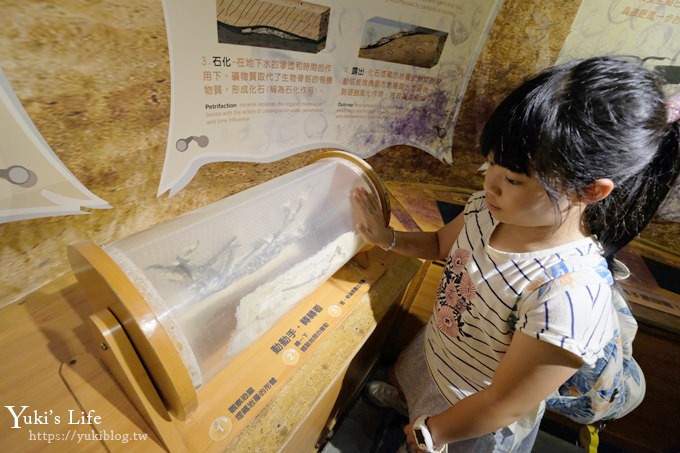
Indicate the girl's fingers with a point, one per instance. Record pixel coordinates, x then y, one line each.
369 220
365 202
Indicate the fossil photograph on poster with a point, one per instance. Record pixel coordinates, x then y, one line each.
288 25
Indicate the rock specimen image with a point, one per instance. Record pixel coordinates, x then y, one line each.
277 24
403 43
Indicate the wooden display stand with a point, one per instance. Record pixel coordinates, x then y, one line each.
139 354
65 361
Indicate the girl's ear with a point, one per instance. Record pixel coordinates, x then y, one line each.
598 190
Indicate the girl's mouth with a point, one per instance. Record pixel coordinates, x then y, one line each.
492 207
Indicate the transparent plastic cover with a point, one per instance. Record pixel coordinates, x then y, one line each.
221 276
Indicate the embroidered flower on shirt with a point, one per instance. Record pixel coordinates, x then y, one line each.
447 320
455 295
459 259
451 294
466 288
461 305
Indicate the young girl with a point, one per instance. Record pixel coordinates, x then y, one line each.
527 312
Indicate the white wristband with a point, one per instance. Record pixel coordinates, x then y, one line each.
423 436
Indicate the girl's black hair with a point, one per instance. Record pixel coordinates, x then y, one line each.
572 124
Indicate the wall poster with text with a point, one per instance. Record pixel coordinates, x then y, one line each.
34 183
263 79
644 29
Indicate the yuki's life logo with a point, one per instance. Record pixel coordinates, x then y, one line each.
22 415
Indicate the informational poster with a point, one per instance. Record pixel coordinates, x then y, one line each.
34 182
644 29
263 79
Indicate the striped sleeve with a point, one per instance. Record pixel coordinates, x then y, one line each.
573 315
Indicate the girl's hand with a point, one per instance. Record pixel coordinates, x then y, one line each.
368 218
411 438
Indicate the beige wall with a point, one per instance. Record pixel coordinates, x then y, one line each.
94 78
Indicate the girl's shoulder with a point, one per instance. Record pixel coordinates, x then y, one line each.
571 273
476 203
476 211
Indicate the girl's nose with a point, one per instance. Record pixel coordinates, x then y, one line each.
492 180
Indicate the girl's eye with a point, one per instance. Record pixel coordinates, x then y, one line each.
513 182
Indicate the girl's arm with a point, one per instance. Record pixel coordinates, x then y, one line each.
371 226
530 371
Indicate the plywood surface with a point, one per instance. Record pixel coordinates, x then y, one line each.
48 367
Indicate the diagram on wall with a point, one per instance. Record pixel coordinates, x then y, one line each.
404 43
648 30
300 26
34 182
261 80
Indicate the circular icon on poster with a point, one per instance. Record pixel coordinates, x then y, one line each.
290 356
220 428
334 311
183 143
